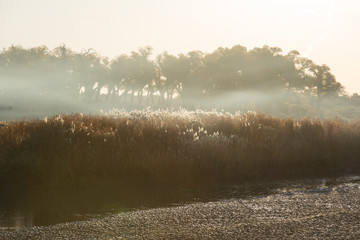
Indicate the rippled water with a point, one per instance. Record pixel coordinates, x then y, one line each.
26 209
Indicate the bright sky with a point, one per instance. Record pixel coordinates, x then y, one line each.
326 31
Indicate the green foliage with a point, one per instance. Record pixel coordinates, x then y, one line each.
192 78
178 148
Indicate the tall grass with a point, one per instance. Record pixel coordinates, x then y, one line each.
181 148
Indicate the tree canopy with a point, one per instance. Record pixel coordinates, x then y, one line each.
141 79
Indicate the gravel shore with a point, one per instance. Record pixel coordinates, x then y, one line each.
327 212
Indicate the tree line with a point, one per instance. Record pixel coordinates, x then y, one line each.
141 79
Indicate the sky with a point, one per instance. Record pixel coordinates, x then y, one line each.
326 31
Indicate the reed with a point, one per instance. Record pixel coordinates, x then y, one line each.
173 148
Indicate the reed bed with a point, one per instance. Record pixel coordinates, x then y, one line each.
178 148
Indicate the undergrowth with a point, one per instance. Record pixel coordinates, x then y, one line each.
173 148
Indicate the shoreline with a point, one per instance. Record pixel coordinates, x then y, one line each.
326 211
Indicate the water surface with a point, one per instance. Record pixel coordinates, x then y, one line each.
22 209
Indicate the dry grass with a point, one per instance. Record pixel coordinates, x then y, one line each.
180 148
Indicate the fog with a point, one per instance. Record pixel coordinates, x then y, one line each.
39 82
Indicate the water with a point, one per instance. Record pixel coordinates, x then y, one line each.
22 209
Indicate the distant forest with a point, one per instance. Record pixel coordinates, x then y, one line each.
261 79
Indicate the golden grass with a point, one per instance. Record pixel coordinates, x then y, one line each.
180 148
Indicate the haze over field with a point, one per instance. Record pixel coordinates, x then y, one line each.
37 82
122 105
325 31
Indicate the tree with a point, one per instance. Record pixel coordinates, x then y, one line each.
133 73
323 82
173 72
195 77
192 84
